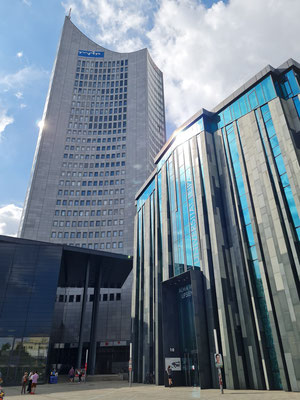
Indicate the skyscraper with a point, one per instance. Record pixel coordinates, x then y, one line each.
217 243
102 125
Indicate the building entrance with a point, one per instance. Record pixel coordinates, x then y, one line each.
189 365
185 330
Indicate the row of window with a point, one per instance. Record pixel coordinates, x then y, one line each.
100 133
107 84
112 92
88 114
95 246
96 148
93 156
87 174
96 64
96 202
96 140
84 235
100 75
94 165
76 298
100 70
93 183
86 224
99 126
83 193
99 99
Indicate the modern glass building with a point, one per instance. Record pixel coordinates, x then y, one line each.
102 126
56 303
216 254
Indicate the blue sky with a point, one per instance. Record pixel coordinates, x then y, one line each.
206 50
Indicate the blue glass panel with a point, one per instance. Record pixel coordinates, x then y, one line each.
286 89
237 168
183 189
243 201
260 94
246 214
292 205
298 233
234 151
229 129
280 164
253 253
240 185
266 112
270 128
293 82
243 105
268 88
256 269
221 122
253 99
236 110
250 235
188 249
231 136
227 115
276 151
284 180
297 105
274 141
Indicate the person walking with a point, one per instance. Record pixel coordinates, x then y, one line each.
29 382
34 379
170 375
71 374
24 383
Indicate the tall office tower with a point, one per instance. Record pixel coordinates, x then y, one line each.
217 237
103 123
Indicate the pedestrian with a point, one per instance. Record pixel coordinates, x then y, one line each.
170 375
24 383
29 382
79 373
71 374
34 379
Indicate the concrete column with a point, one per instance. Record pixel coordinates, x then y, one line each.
83 313
94 322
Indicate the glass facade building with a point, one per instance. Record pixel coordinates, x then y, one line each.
56 302
217 254
103 124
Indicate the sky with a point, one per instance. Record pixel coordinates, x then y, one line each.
205 48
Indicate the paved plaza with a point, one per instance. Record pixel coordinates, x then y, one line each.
121 391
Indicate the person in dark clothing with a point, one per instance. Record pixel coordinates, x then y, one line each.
170 375
29 382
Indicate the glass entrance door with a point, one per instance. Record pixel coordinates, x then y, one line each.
190 368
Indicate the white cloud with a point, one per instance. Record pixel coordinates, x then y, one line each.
20 54
9 219
120 24
5 120
21 78
204 53
27 2
22 105
19 95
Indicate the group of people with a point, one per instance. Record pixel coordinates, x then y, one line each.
80 373
29 381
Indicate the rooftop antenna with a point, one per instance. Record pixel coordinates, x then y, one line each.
69 16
